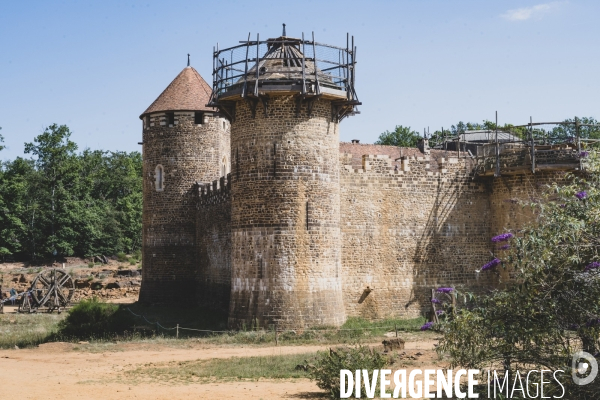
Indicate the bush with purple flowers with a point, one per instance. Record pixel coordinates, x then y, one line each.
551 307
445 290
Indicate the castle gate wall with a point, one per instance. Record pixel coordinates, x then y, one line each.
286 261
186 152
404 232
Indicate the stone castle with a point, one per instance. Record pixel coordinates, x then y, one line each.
253 207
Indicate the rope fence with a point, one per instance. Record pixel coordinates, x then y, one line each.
277 331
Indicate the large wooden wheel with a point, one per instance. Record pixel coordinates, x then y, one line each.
52 288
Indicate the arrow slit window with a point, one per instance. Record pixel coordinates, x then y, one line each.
159 175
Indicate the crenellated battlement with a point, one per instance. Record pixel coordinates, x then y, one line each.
175 118
216 192
407 165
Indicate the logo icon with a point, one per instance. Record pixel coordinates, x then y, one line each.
580 365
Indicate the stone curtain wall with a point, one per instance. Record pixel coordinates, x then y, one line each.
286 262
213 230
188 152
510 198
405 232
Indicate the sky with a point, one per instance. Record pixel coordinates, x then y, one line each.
96 66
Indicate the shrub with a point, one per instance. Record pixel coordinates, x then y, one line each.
94 319
551 310
326 370
91 264
122 257
137 255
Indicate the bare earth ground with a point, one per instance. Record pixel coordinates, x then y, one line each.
74 371
70 371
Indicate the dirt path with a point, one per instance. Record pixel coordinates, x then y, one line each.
58 371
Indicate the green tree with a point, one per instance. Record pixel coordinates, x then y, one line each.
68 203
19 208
1 141
563 133
401 136
552 309
58 164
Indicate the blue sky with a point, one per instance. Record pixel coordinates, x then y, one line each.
96 66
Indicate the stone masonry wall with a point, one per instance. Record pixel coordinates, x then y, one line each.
286 261
405 232
509 199
188 153
213 231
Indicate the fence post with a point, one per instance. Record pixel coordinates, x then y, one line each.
276 336
396 329
177 334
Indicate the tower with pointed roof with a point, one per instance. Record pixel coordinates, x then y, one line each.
185 144
285 98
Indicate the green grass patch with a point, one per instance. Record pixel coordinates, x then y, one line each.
235 368
27 330
98 322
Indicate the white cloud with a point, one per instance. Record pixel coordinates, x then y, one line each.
537 11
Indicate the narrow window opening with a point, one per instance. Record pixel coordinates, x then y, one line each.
224 125
147 121
224 168
198 118
307 215
159 176
171 118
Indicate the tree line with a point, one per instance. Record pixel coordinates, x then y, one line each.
404 136
60 202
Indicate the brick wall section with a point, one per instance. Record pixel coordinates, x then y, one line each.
188 153
403 233
213 232
285 216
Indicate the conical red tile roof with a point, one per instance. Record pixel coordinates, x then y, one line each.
188 92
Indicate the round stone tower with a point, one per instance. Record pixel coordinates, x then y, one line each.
184 142
285 105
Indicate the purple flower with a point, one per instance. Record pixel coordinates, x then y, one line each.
562 205
436 301
592 322
581 195
593 265
584 154
427 326
505 247
445 290
491 264
502 238
439 312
